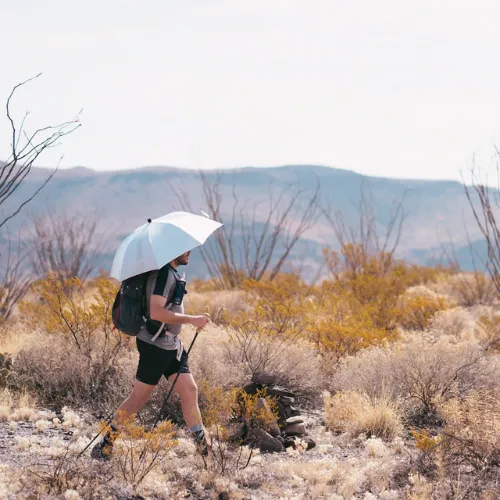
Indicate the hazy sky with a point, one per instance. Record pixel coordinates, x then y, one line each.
391 88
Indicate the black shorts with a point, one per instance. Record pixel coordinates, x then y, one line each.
155 362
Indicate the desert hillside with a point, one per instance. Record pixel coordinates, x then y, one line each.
437 213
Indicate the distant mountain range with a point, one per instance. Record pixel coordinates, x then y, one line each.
437 212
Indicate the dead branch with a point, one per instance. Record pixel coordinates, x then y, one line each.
484 202
26 148
16 278
257 238
66 245
364 235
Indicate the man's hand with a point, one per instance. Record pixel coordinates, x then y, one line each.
200 322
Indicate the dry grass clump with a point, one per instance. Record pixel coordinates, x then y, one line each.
297 366
60 375
220 305
210 360
473 430
489 332
467 289
6 403
355 413
62 473
480 323
463 457
362 476
24 407
419 371
457 322
14 335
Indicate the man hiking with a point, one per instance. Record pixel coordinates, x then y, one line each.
161 354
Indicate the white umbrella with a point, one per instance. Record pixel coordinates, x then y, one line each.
160 241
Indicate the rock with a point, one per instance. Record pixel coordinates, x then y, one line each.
236 431
281 412
280 439
271 427
250 389
261 378
295 420
266 442
274 430
280 392
291 411
295 430
310 443
286 400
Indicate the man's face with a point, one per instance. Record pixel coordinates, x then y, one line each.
183 259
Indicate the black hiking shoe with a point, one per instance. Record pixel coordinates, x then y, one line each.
103 449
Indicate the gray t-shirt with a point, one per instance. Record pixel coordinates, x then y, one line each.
163 341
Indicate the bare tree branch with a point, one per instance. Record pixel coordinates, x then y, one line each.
364 237
251 244
484 201
16 277
67 245
26 148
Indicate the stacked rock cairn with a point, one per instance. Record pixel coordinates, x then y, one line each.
288 430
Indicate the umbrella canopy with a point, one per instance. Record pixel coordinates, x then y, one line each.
160 241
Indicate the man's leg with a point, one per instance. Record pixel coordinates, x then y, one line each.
138 398
188 392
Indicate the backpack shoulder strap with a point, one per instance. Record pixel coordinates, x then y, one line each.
161 281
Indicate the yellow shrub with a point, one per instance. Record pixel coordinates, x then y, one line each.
275 321
221 406
68 310
374 279
342 326
32 314
278 304
424 441
138 451
422 275
221 305
221 410
416 313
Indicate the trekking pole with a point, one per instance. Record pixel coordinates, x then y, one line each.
109 420
173 383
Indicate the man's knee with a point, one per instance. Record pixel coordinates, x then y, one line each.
189 389
141 393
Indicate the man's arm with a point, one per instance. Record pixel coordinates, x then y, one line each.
158 312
